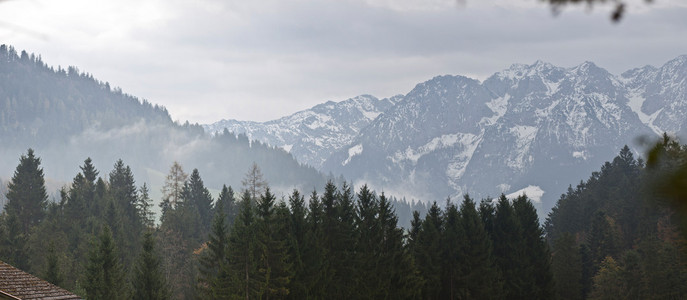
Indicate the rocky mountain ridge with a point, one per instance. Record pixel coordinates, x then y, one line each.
535 128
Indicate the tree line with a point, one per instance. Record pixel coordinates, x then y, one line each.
609 237
101 241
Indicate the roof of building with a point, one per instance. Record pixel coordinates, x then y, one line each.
21 285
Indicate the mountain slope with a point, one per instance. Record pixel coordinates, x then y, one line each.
536 126
659 95
67 116
312 135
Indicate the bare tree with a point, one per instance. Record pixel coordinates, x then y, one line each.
174 186
253 182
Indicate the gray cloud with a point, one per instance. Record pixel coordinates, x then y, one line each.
260 60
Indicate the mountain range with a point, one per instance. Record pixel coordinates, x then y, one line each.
533 128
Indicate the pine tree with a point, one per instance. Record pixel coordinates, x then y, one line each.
367 243
296 245
148 281
200 198
25 208
428 253
395 271
213 259
105 274
273 267
509 250
331 281
314 257
479 268
243 253
53 273
453 253
344 243
26 195
566 265
537 273
144 207
226 197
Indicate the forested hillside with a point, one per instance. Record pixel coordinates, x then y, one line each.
68 115
617 236
611 235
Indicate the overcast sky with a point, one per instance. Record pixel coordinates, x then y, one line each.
206 60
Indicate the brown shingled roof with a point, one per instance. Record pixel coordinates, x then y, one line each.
22 285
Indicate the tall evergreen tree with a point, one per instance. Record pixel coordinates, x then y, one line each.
144 207
26 195
53 273
368 239
199 197
273 266
148 281
537 263
566 265
452 253
344 244
395 272
509 250
25 208
243 253
226 197
428 253
479 269
214 258
296 246
314 250
104 272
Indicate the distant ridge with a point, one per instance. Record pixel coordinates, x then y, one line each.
532 127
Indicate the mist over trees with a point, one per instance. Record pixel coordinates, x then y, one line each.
67 115
609 236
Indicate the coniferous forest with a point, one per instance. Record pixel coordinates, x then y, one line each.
615 236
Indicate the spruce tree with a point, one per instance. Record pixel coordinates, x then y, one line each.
428 253
367 243
214 257
537 263
452 253
104 272
243 251
395 272
26 195
509 250
144 207
479 269
226 197
199 197
566 265
53 273
314 257
148 281
273 267
344 244
296 245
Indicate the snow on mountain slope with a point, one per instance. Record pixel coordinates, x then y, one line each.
312 135
535 128
529 125
659 95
